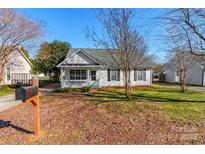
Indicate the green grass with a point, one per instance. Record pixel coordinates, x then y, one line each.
65 90
167 102
4 90
157 92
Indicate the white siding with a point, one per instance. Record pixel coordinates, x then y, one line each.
80 58
101 74
194 74
103 79
66 82
17 64
170 73
148 81
203 78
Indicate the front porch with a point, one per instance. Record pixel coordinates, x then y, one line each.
15 78
77 77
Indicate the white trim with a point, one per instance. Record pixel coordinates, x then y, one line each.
137 74
25 57
76 53
81 75
89 56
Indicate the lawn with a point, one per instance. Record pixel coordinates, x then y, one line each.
188 106
4 90
154 115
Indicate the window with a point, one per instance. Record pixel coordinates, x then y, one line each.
113 75
78 75
83 75
139 75
93 75
8 73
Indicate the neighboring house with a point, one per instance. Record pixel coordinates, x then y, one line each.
158 72
195 73
17 69
96 68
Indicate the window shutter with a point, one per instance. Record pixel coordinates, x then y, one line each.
118 75
108 75
144 75
135 75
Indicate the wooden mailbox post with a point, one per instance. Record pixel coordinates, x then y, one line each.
35 102
30 95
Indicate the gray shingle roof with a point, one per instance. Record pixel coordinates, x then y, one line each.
199 58
104 57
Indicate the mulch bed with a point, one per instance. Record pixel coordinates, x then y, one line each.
70 119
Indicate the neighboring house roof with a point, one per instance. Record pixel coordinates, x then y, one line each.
103 57
25 57
158 68
199 59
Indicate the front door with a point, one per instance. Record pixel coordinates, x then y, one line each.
93 79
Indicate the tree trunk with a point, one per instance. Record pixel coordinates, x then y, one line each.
127 84
1 74
183 81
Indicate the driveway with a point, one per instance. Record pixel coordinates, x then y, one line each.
49 88
7 102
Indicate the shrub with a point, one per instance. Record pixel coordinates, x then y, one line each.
2 87
86 89
5 90
63 90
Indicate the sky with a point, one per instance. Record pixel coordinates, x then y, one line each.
70 25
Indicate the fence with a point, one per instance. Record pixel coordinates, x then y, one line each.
23 78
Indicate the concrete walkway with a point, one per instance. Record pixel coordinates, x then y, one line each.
7 102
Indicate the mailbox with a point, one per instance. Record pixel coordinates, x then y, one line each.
24 93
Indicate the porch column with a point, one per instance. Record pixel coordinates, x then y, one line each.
98 77
62 76
88 77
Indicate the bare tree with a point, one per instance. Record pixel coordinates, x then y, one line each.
185 38
188 25
126 47
182 62
16 30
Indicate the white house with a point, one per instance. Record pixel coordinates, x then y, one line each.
96 68
195 72
18 68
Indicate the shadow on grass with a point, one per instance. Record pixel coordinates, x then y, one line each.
4 124
119 96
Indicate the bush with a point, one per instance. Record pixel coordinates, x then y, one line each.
86 89
3 87
4 90
63 90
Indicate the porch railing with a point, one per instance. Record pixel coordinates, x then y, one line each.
23 78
